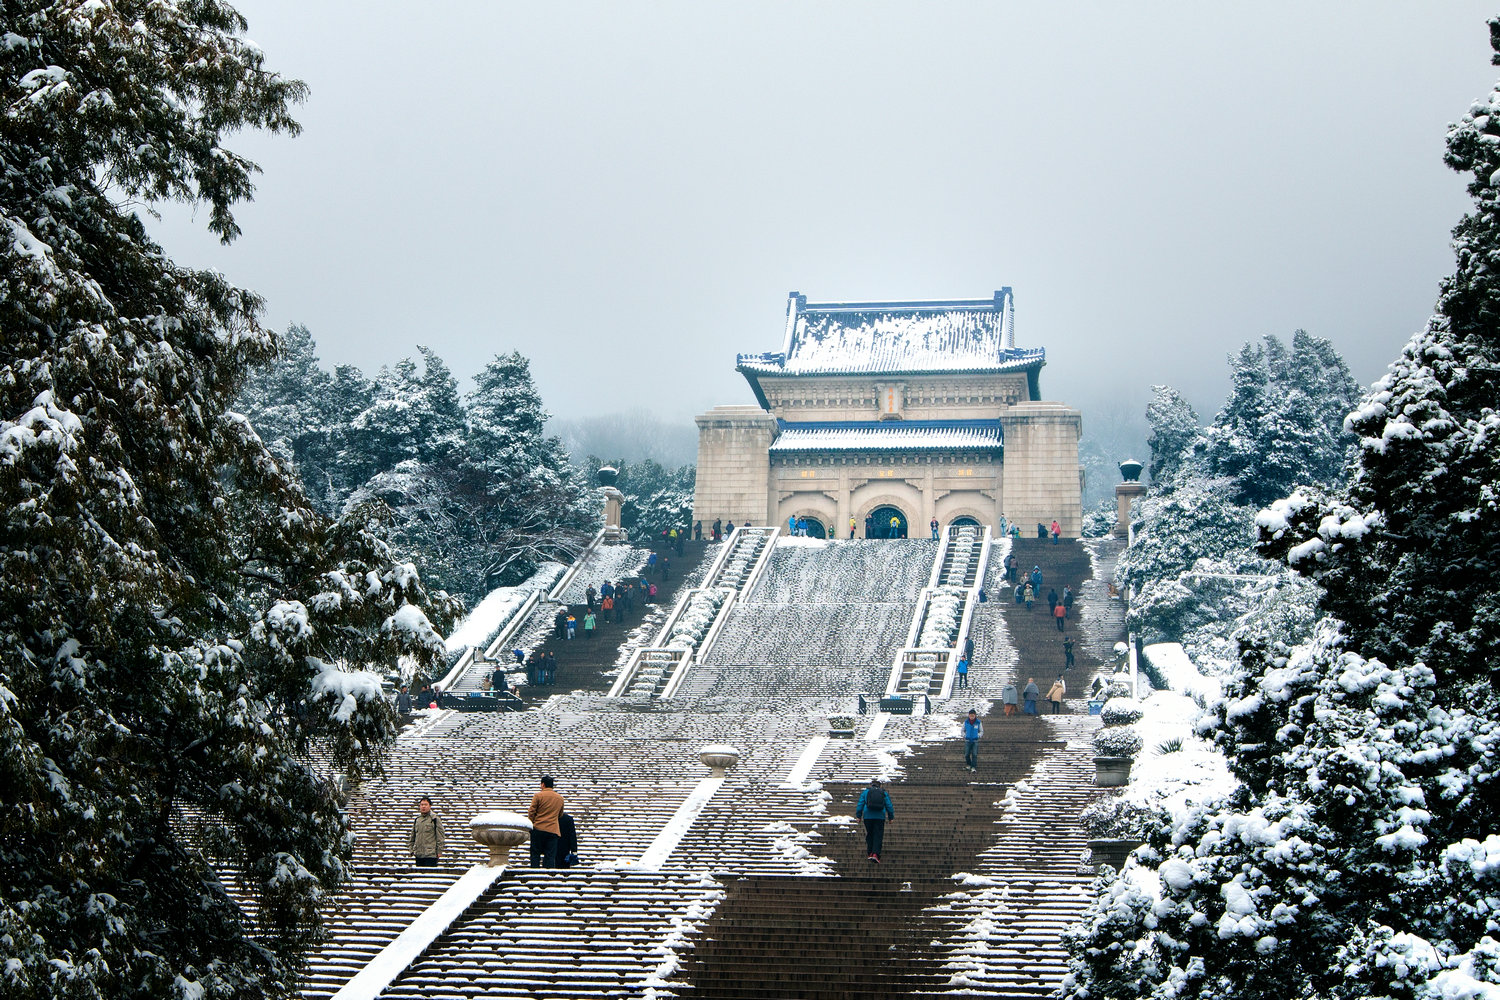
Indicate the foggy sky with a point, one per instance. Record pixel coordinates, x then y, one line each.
626 193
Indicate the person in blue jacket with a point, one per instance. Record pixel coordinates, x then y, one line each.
874 807
973 729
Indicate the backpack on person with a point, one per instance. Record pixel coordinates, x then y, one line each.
875 802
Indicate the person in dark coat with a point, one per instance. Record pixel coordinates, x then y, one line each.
1067 652
697 531
718 528
973 730
403 701
567 845
497 681
1051 600
591 593
874 807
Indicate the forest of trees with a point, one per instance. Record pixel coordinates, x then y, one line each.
469 484
1192 569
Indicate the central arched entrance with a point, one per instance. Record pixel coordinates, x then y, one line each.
964 522
882 516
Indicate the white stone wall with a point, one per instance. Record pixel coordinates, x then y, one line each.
918 397
1042 476
734 465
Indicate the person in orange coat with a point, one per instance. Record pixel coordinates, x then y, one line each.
546 806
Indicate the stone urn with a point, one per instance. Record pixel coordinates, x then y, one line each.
719 757
1130 470
1108 851
1111 772
500 830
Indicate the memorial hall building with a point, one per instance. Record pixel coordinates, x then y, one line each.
912 410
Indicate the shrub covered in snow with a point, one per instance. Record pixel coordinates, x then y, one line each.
1121 712
945 610
1117 741
1118 818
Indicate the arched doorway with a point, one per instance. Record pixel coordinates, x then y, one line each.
815 528
882 517
964 522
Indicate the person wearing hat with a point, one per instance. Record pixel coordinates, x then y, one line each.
874 807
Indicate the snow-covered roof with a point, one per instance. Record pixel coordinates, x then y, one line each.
956 335
892 435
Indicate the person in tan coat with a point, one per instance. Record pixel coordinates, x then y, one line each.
546 833
1055 694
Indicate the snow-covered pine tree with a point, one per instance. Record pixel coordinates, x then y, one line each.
176 622
539 507
1174 429
1280 427
1359 857
657 498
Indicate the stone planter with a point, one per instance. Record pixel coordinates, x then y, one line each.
1111 772
500 830
1111 852
718 757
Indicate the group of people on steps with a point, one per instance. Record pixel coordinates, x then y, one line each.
554 835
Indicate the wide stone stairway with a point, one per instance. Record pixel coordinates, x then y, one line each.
873 931
754 885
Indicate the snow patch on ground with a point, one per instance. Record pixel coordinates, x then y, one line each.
1177 669
494 611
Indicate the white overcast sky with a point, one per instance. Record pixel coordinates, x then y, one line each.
627 192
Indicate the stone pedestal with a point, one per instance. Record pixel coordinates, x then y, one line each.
1124 494
500 830
718 757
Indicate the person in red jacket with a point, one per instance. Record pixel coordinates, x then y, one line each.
546 833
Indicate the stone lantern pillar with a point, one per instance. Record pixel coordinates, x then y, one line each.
1126 492
613 499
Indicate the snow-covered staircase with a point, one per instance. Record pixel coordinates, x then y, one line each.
927 664
657 670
